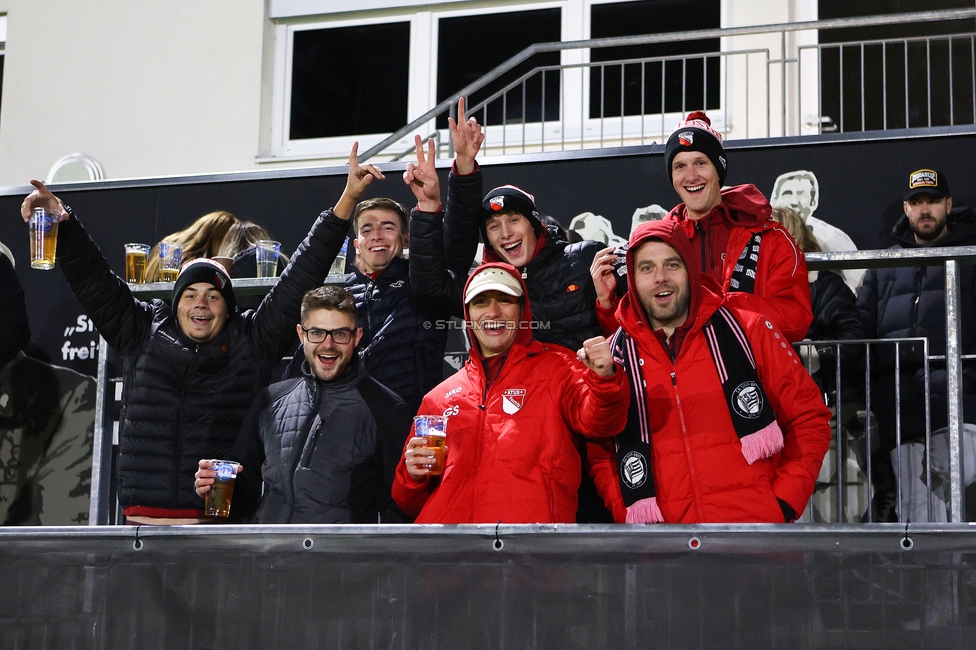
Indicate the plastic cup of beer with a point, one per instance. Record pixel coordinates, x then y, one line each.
339 264
216 502
136 257
266 255
43 238
170 259
433 429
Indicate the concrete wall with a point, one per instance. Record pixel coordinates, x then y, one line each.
146 88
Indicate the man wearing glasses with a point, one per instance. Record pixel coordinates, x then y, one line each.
325 445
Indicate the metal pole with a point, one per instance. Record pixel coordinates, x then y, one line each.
101 481
954 389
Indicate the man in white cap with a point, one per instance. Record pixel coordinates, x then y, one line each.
511 412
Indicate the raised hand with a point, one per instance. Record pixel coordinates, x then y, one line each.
41 197
359 178
596 354
467 138
604 279
422 178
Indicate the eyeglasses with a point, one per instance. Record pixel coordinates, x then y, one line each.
315 335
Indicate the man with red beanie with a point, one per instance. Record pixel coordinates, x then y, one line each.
725 424
733 239
510 414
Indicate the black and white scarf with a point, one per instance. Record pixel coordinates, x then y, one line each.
752 416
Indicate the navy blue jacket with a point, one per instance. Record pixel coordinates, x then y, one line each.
908 302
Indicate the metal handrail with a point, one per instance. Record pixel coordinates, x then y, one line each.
621 41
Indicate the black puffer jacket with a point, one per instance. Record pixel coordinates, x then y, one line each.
561 290
14 327
909 302
183 401
326 452
404 330
835 318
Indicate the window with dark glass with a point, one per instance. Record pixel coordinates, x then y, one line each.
468 47
868 82
690 81
349 80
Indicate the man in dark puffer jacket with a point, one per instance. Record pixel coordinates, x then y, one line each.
908 302
190 371
326 445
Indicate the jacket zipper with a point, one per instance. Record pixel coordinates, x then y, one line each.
684 437
919 272
701 233
182 430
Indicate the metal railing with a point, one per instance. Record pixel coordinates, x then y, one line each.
103 498
766 81
951 257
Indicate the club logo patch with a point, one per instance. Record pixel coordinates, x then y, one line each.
686 138
497 203
923 178
633 469
747 400
512 400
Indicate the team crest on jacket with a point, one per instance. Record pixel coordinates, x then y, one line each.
747 400
633 469
512 400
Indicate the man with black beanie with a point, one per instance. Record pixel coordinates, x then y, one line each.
191 370
733 239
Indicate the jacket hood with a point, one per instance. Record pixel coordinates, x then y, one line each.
961 223
742 205
704 289
524 334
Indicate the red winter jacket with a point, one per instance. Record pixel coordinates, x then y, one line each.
782 289
699 471
511 456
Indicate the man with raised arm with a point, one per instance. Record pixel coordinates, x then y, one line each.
191 368
402 345
725 423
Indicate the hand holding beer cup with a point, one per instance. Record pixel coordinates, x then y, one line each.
214 482
41 197
43 212
426 452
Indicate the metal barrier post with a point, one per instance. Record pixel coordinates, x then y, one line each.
954 390
101 477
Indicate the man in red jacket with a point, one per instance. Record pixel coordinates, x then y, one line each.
733 239
510 414
725 424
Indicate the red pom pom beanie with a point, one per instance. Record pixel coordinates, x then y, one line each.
696 134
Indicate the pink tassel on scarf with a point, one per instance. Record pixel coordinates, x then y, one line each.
644 511
763 443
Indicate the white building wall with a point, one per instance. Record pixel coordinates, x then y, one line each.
174 88
146 88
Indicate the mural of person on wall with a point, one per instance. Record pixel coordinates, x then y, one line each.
800 190
594 227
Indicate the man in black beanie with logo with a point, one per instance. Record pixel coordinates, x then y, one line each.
191 370
733 239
